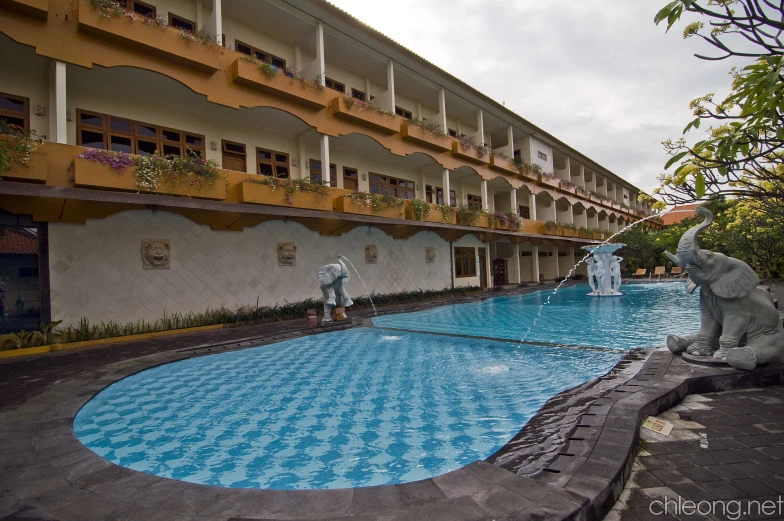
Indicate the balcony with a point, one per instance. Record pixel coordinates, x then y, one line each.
346 204
34 172
550 180
249 74
468 154
483 222
164 42
424 137
35 8
93 174
256 193
361 115
436 216
503 164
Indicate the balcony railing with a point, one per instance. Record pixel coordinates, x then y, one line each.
368 117
301 91
35 8
424 137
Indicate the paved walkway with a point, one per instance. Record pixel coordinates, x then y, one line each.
726 450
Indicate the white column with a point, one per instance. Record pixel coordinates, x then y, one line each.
514 269
419 110
568 169
442 108
325 173
582 177
58 130
510 141
557 262
298 57
535 263
367 89
513 200
571 213
485 202
532 206
320 61
214 24
199 15
445 185
387 100
480 125
422 184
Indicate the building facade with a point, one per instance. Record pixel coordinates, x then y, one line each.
286 89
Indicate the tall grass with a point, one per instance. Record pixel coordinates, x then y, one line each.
242 316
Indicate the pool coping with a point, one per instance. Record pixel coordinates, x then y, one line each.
592 430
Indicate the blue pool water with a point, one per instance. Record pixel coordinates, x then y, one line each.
642 317
363 407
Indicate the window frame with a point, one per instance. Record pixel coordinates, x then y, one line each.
465 262
160 142
474 200
232 153
332 84
354 93
24 115
439 192
356 172
541 155
273 162
400 111
172 17
143 4
268 57
392 189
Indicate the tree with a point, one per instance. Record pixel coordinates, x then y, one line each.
742 154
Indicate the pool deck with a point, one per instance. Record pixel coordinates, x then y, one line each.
591 435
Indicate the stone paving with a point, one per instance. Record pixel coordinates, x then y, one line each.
726 450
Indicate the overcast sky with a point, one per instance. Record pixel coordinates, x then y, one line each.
598 74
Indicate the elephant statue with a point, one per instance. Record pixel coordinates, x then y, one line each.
332 277
738 321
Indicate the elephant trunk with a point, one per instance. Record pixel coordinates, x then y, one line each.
688 247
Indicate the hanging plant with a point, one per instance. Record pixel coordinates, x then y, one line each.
420 208
365 105
447 210
468 214
291 186
268 70
515 221
16 146
429 127
376 203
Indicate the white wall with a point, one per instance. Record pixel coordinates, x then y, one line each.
472 242
96 269
25 74
538 146
236 30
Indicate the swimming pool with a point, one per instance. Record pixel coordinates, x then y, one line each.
641 317
345 409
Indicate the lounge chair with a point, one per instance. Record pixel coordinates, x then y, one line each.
660 270
640 272
676 271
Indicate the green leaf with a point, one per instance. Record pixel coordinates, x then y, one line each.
699 184
675 159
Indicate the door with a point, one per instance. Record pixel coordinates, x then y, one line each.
499 272
350 179
231 162
482 268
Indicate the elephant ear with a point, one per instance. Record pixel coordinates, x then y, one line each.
329 273
737 281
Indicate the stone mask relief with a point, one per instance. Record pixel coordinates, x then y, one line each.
371 254
156 254
430 254
287 254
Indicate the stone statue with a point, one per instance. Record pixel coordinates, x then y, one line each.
615 270
332 278
591 263
287 254
156 254
739 323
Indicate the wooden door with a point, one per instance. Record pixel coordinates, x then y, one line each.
482 268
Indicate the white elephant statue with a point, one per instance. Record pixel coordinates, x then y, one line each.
332 278
738 321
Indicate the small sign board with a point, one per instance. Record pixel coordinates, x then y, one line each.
652 423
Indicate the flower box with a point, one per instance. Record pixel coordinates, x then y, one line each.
531 226
508 226
436 216
483 222
387 123
425 138
468 154
256 193
550 180
504 165
94 174
164 42
245 73
347 205
34 172
34 8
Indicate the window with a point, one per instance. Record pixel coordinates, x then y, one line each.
316 173
518 154
350 178
439 195
96 130
15 110
452 132
335 85
234 156
358 94
272 163
400 111
386 185
474 200
526 254
264 56
524 211
141 8
541 155
181 23
465 262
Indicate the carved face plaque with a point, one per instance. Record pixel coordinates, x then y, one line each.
156 254
287 254
430 254
371 254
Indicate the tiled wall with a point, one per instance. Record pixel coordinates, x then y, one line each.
96 269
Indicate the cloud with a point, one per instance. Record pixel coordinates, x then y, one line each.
598 74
